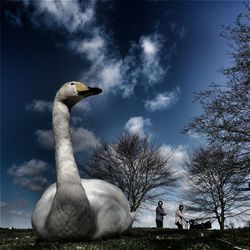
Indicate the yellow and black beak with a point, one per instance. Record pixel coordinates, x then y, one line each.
84 90
92 91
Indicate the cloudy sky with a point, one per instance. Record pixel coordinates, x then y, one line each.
148 57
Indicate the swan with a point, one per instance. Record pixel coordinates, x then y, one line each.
75 208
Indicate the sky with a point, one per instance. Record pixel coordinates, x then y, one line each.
149 57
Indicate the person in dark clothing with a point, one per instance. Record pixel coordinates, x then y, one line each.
159 215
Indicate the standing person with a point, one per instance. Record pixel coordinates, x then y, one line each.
159 214
179 217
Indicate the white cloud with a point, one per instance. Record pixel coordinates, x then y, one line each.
69 15
29 173
107 68
149 47
114 74
177 160
45 138
131 70
138 125
30 168
163 100
82 139
39 106
110 76
180 155
152 69
93 48
74 16
35 183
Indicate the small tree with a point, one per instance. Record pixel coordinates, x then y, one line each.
136 166
214 181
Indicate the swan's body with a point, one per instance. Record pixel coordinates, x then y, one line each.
108 204
74 207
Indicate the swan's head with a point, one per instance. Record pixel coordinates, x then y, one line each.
73 92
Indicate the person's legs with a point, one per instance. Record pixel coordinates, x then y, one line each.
159 223
178 224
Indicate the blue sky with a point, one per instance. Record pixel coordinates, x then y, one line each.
148 57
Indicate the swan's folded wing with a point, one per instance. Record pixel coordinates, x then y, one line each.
110 206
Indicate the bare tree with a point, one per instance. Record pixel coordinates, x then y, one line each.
225 119
136 166
214 181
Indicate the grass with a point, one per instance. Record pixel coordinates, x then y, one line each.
136 239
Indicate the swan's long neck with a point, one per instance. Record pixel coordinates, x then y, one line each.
70 213
65 162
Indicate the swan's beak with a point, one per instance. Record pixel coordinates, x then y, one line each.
89 91
94 91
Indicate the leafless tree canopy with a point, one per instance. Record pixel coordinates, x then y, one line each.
133 164
214 181
226 111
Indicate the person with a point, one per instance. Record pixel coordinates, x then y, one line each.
159 214
179 217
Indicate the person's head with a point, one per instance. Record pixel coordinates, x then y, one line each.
160 203
181 207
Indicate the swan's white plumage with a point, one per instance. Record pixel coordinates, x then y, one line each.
108 202
74 207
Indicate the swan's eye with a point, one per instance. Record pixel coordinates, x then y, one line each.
72 83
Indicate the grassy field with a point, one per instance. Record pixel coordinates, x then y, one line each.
136 238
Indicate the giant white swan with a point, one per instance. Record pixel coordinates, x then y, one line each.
74 207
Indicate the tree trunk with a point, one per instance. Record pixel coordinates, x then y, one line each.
222 221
